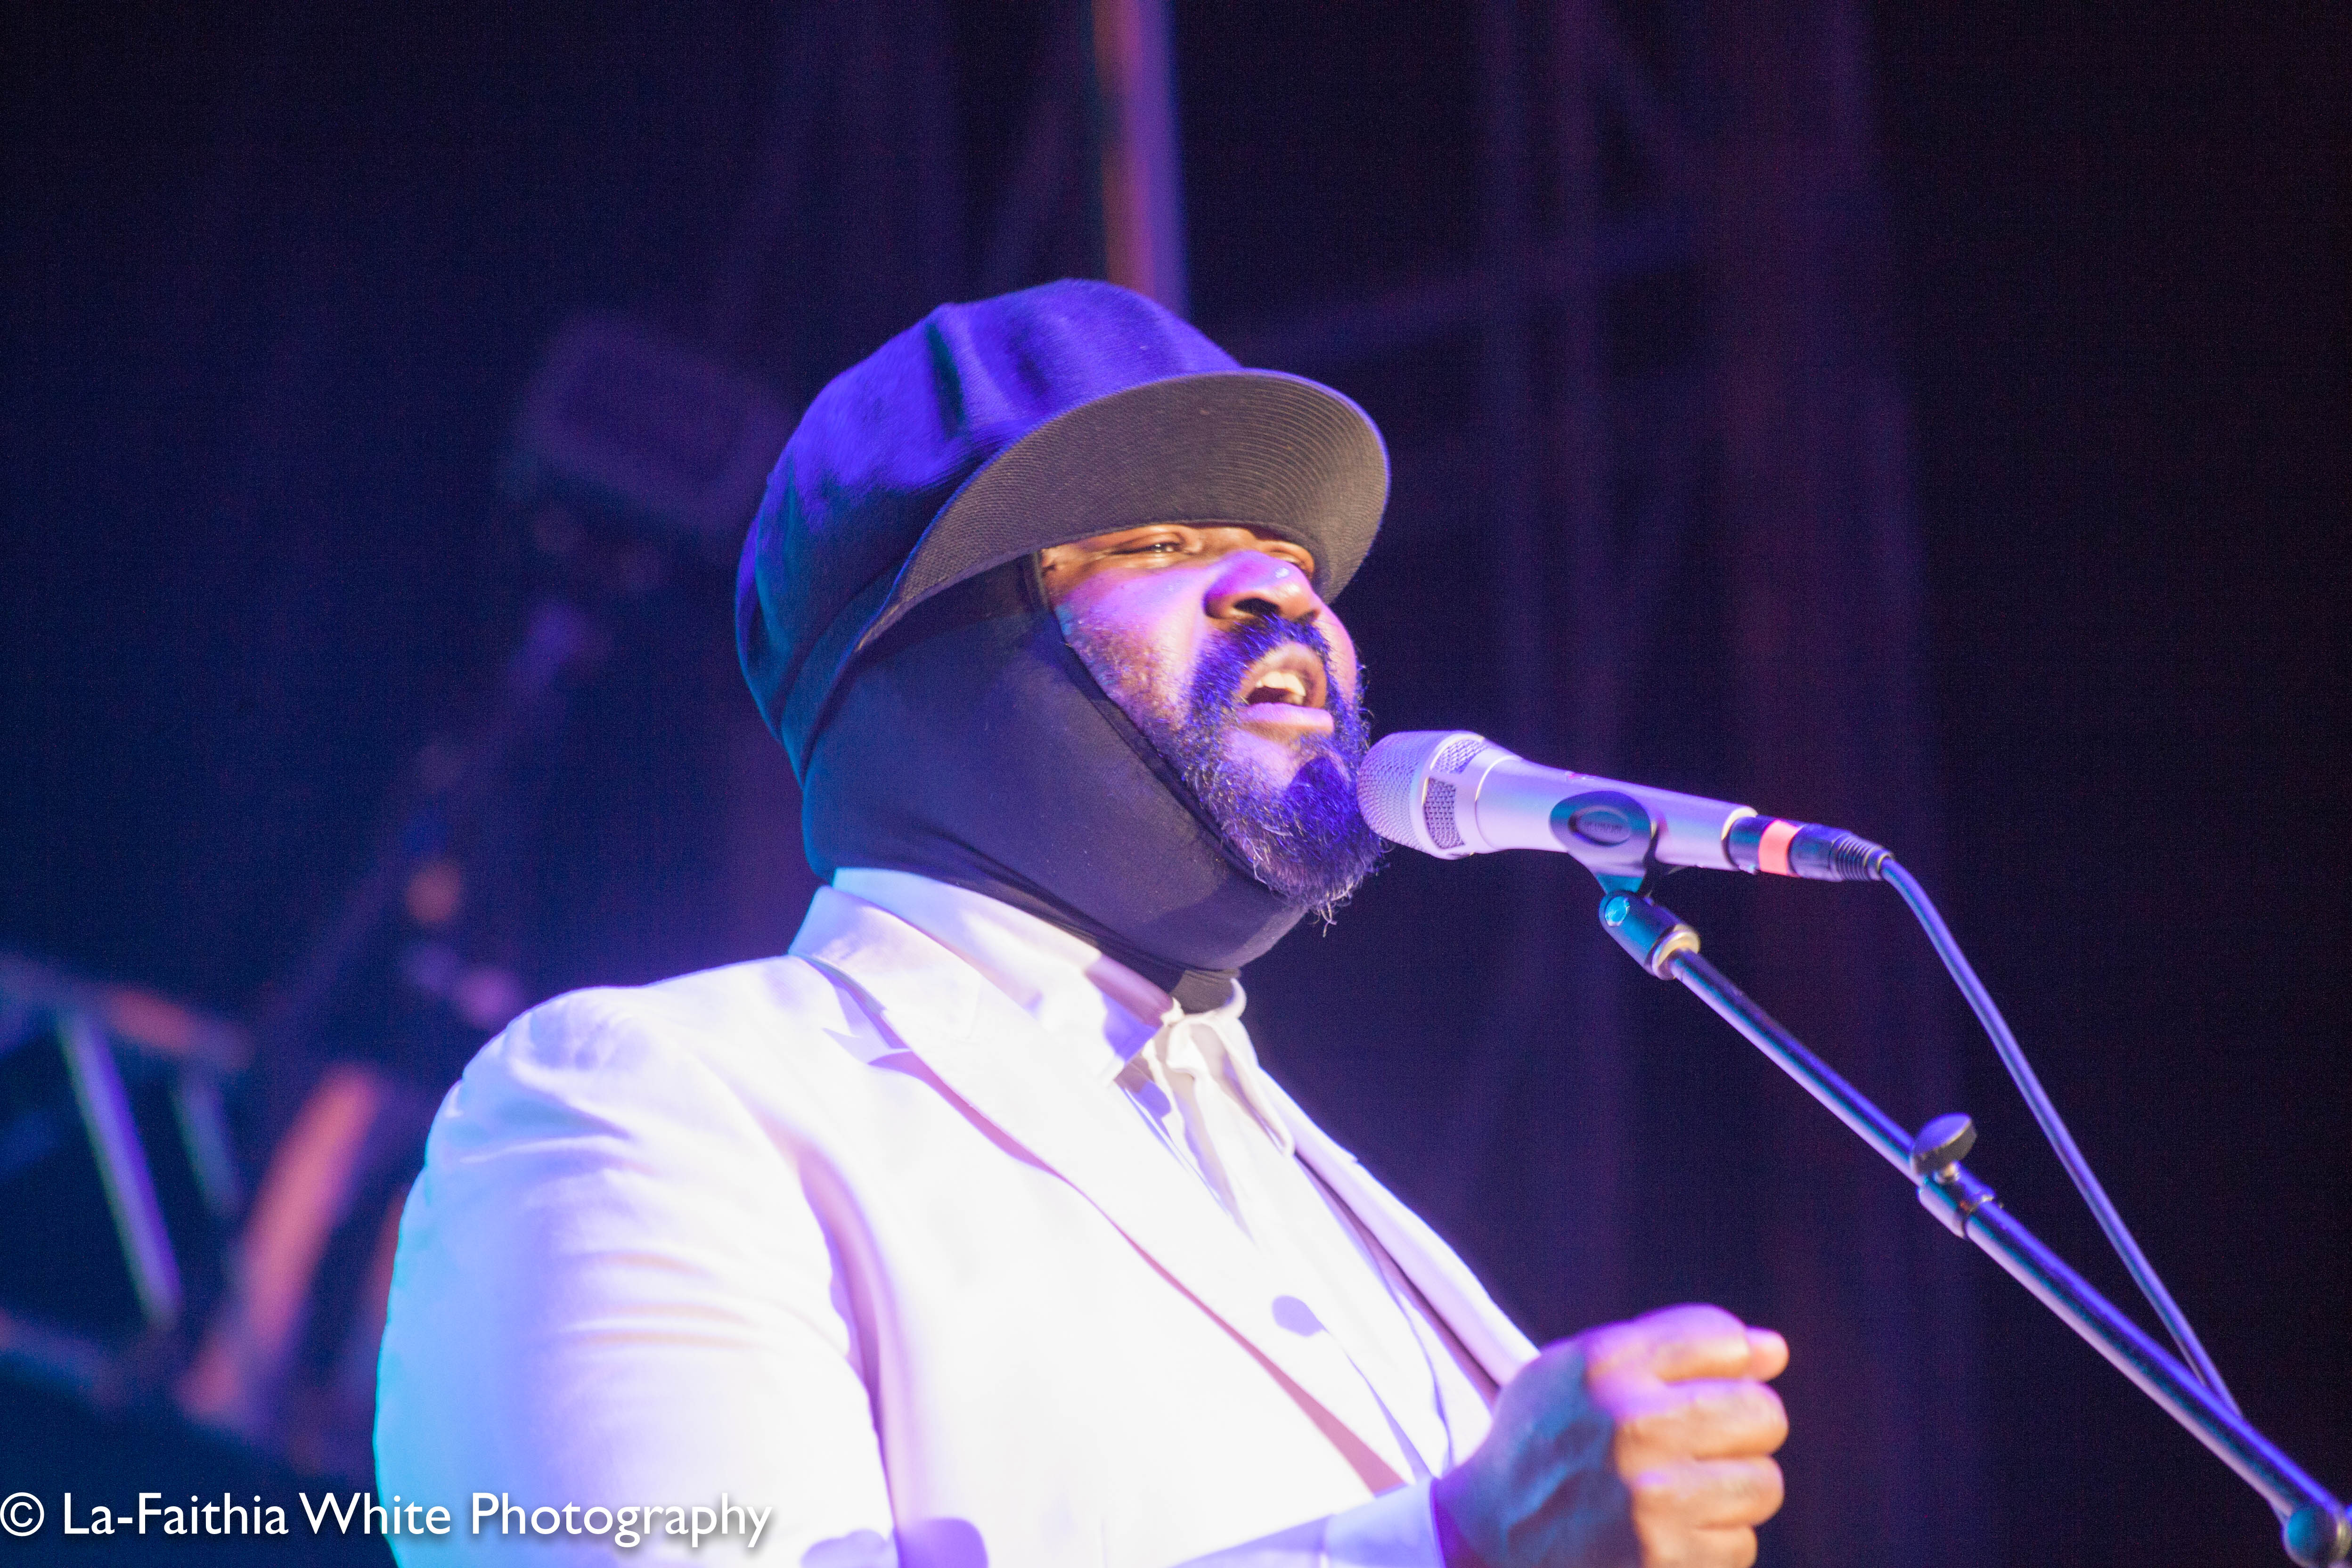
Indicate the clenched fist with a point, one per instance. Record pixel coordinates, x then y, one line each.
1645 1443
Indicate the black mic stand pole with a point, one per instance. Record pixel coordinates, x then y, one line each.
2317 1530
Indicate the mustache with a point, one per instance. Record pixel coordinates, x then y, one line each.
1224 662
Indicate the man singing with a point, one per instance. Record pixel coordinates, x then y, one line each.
972 1232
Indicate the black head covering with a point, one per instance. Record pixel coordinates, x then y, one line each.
895 632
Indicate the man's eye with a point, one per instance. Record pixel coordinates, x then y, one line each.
1153 547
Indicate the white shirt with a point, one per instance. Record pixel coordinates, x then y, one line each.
1194 1083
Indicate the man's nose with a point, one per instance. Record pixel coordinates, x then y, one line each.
1251 585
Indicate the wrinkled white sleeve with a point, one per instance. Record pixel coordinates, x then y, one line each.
611 1290
607 1293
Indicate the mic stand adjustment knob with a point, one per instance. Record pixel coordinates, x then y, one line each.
1942 1144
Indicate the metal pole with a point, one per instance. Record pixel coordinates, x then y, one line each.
123 1165
1142 196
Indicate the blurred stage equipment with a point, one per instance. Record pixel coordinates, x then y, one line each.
621 419
287 1360
627 445
629 449
1142 191
449 783
1452 792
286 1357
1093 187
112 1040
347 1156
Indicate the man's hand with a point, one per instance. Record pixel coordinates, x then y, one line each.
1643 1443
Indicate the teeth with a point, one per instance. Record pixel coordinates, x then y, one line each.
1280 687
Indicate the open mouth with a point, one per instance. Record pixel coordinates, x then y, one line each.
1288 677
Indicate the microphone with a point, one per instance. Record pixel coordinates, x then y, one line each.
1449 793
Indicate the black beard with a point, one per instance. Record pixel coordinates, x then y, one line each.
1306 841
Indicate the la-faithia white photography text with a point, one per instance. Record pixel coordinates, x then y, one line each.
362 1513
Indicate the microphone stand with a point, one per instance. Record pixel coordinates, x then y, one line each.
2316 1529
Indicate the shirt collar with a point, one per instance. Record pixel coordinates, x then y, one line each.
1093 1009
1230 1057
1092 1006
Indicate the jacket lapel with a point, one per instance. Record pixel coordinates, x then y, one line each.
993 1057
1443 1280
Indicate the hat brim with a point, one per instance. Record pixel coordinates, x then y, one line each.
1253 448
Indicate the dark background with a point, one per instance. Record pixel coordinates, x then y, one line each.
274 278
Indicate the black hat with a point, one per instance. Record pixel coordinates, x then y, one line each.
992 430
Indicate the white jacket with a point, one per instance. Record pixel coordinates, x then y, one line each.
821 1235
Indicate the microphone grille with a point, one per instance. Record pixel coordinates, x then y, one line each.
1456 754
1389 787
1437 815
